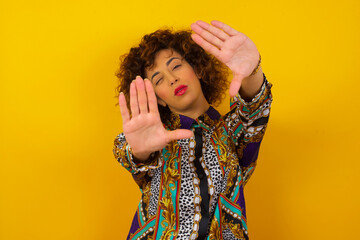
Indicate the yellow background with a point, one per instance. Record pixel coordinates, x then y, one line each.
58 177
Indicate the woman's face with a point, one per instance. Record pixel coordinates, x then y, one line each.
176 84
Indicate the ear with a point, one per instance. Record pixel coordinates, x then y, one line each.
198 75
161 102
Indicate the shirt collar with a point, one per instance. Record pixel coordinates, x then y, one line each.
212 113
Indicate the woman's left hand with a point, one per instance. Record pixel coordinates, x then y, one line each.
231 47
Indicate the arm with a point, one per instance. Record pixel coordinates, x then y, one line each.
249 125
251 85
123 154
251 96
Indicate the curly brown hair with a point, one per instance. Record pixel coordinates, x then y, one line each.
213 74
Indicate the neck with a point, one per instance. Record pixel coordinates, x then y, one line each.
198 108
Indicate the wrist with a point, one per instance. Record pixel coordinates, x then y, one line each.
140 157
257 68
251 85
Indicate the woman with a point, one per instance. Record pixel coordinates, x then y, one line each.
190 163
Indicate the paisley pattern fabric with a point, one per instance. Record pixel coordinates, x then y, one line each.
194 188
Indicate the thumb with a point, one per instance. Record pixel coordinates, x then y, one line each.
235 85
179 134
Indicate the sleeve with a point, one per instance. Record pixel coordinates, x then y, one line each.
140 171
247 122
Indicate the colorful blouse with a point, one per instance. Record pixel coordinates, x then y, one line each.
194 188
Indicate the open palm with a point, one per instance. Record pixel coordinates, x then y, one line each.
144 131
231 47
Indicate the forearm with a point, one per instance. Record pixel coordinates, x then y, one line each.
124 155
251 85
140 157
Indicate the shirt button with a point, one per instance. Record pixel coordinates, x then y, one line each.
201 175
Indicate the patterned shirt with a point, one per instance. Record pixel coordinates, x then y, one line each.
193 188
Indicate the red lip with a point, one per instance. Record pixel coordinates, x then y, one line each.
180 90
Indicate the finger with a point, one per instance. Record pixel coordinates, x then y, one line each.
141 95
123 108
133 100
179 134
151 97
229 30
205 45
206 35
235 86
214 30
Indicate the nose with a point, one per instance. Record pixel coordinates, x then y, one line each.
172 79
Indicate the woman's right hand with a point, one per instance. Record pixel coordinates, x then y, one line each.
144 131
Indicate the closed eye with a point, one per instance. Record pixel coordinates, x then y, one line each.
158 81
176 66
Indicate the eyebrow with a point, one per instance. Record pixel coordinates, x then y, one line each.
167 64
170 60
